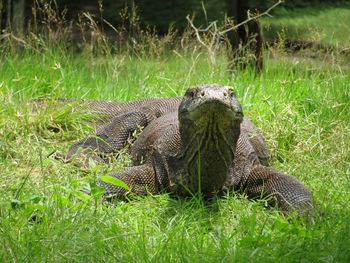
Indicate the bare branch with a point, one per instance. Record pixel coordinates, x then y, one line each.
196 30
250 18
215 34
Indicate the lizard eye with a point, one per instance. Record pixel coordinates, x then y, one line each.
233 94
190 93
231 91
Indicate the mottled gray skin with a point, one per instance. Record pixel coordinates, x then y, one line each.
195 151
204 144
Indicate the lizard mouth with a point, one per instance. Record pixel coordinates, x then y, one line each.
212 108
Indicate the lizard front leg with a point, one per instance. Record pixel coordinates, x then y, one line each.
283 191
109 138
140 179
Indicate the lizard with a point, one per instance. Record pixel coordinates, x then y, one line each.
198 143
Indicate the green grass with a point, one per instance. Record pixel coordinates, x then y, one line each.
302 108
323 24
302 112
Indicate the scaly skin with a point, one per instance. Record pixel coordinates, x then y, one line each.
204 144
119 121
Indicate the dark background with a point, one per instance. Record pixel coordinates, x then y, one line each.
162 13
245 43
159 14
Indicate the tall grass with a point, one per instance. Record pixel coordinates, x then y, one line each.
301 108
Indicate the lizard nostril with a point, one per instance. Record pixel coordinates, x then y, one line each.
202 93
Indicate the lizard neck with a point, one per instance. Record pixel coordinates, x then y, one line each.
208 152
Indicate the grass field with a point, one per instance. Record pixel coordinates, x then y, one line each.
301 107
321 23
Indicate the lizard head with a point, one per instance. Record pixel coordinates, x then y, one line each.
209 123
202 101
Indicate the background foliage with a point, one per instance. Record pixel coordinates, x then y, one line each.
161 14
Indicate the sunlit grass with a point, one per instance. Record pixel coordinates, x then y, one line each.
301 106
303 114
323 24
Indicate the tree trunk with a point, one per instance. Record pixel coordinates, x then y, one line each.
232 35
4 15
16 15
246 42
27 15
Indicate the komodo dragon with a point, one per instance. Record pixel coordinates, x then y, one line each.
196 143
